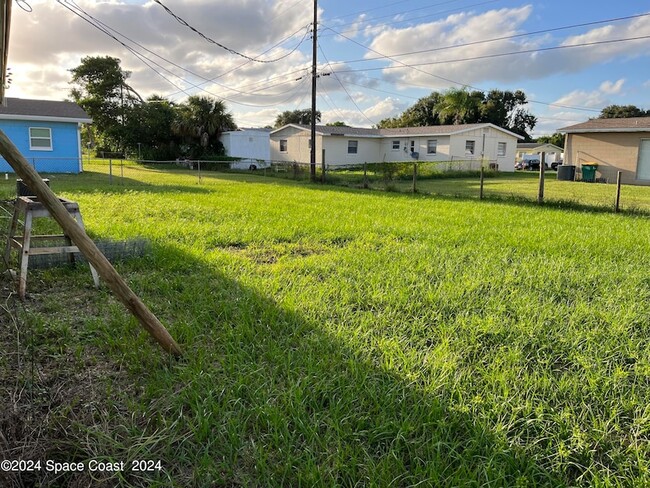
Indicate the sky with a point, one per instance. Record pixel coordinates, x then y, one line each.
375 58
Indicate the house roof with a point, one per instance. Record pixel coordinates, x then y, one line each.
632 124
26 109
434 130
536 146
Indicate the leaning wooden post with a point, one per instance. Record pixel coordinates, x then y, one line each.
87 247
542 167
617 205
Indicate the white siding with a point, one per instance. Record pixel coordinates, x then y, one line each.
247 144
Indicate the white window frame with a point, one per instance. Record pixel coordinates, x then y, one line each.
470 147
32 138
396 143
354 146
286 145
435 146
501 153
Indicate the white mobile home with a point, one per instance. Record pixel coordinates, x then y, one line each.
340 146
247 143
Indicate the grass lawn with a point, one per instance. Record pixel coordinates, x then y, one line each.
337 337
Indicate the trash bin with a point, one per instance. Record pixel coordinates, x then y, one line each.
589 172
566 172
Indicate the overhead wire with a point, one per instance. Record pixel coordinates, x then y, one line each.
345 89
502 38
148 62
216 43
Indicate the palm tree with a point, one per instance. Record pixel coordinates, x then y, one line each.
459 106
201 120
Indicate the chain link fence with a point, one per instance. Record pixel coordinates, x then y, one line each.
471 179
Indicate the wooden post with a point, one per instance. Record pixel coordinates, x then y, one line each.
87 247
542 167
482 177
617 205
415 177
365 175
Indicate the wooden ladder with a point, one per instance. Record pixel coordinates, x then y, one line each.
32 209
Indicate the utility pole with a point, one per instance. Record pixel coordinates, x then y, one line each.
312 160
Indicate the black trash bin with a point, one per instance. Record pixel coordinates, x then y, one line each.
566 172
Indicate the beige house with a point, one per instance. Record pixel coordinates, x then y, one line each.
614 145
341 146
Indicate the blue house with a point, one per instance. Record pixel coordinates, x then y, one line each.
46 132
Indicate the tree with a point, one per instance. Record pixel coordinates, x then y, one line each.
459 106
622 112
338 123
556 139
199 122
301 117
102 91
423 113
505 109
149 129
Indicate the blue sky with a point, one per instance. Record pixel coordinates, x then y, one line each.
418 46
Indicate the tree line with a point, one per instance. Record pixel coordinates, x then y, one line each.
152 128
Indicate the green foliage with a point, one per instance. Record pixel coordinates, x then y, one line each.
622 111
301 117
460 106
338 123
556 139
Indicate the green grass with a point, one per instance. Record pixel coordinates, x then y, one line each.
339 337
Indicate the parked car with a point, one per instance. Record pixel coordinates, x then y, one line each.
555 164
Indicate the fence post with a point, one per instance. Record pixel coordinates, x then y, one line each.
122 170
482 176
415 177
617 205
295 170
323 176
365 175
198 165
542 167
110 171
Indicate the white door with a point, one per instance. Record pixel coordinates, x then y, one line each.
643 166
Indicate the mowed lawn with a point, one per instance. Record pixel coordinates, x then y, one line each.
340 337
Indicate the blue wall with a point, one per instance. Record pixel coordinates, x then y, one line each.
64 156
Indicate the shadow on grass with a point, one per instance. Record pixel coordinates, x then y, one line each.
263 397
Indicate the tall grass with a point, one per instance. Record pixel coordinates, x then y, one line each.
339 337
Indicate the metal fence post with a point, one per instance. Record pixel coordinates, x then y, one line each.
122 171
198 163
542 167
482 177
617 205
110 171
415 177
365 175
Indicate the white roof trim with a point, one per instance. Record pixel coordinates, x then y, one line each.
42 118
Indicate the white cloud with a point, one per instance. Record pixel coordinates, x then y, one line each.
612 88
440 67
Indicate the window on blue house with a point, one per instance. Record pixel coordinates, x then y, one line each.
40 138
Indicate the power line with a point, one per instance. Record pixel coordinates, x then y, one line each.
435 14
358 12
345 89
498 55
216 43
92 21
207 80
494 39
415 66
